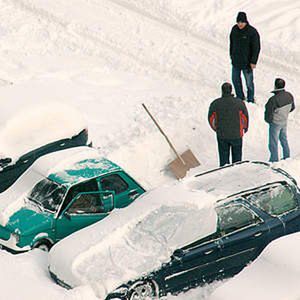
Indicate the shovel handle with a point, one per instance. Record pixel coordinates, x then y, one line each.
159 128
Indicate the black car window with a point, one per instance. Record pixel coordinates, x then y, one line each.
276 200
114 183
47 194
88 203
233 217
87 186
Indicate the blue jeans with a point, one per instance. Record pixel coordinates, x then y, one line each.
278 132
237 83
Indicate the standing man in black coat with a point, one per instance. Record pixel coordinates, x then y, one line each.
228 116
244 52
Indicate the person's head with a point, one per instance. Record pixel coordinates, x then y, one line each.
279 84
226 89
241 20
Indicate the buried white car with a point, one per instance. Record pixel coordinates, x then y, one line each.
207 227
35 132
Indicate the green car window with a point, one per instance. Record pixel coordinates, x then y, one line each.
113 183
47 195
86 204
83 187
275 201
233 217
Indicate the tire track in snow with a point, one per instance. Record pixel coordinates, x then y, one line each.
89 42
271 62
267 69
85 43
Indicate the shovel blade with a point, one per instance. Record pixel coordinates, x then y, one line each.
190 159
179 169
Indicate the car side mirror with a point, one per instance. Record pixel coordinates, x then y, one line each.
178 254
67 215
108 201
5 161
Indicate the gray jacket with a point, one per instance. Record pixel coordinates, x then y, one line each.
278 107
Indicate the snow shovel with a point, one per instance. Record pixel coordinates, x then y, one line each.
183 162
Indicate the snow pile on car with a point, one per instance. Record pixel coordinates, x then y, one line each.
236 178
135 240
36 126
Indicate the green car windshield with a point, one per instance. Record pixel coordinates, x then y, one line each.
47 195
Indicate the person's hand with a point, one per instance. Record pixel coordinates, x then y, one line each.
252 66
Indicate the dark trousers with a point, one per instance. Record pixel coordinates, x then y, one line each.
225 145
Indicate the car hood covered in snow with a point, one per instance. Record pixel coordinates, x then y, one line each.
135 240
27 221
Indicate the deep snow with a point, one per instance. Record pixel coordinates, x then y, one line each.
106 57
275 274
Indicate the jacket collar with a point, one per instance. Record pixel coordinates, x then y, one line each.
227 95
276 91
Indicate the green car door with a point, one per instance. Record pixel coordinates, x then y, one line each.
83 206
125 189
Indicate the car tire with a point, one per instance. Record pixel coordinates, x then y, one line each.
143 290
43 245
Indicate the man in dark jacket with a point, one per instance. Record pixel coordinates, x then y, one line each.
277 110
244 52
228 116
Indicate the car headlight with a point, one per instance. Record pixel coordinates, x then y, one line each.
121 291
16 237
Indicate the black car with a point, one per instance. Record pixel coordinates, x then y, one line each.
261 203
11 171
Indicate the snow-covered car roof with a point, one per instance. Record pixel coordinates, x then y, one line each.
233 179
36 126
82 170
138 239
66 167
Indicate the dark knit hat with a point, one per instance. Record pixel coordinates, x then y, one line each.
226 89
279 83
241 17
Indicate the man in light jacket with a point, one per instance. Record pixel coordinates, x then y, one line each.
277 110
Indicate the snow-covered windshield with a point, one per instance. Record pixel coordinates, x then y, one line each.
47 195
166 227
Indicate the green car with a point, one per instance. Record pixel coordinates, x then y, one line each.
65 200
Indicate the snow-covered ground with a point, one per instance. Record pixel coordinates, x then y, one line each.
107 57
274 274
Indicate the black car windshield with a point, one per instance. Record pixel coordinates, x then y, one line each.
47 195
